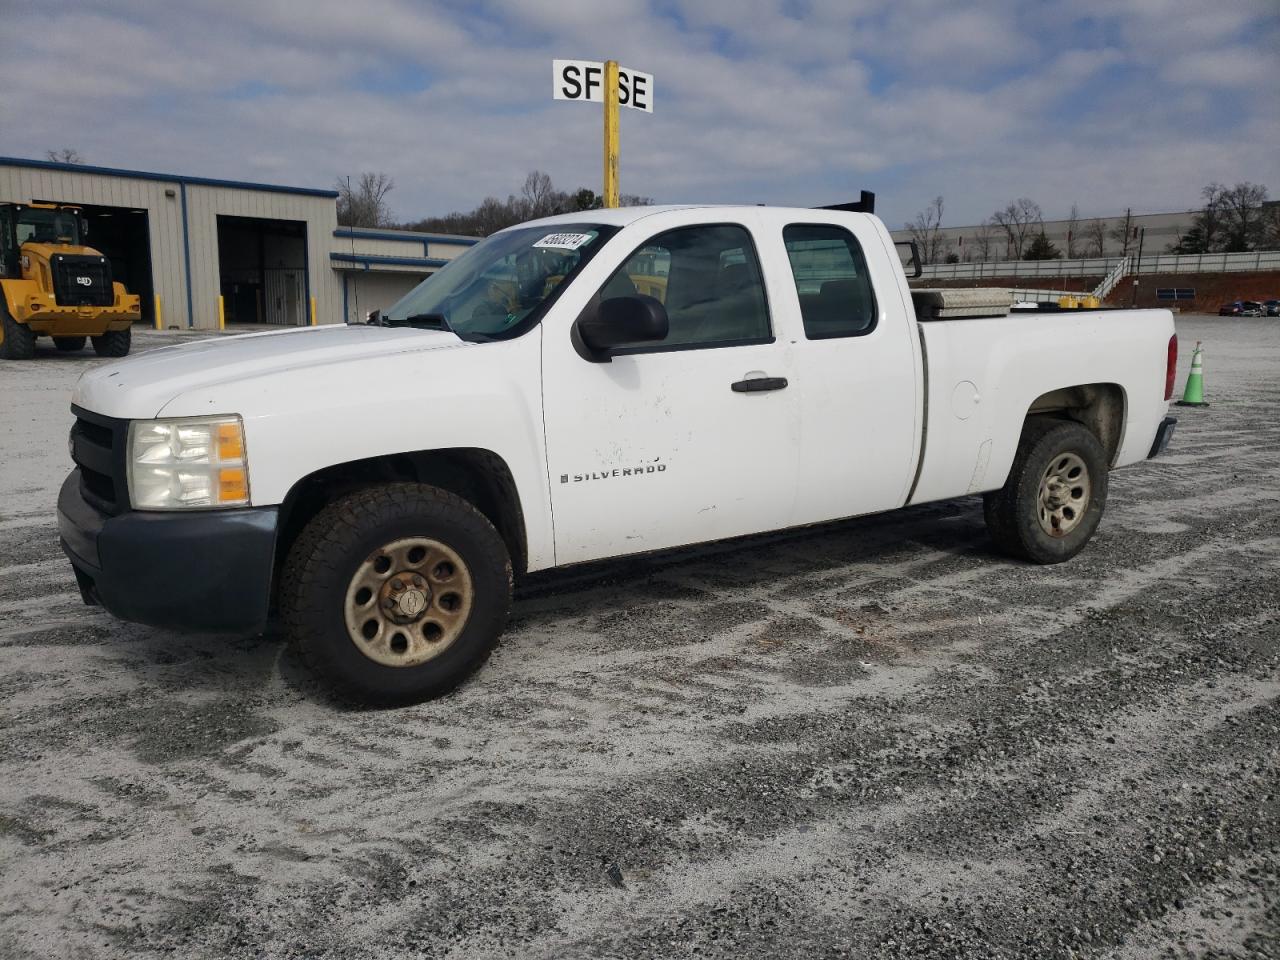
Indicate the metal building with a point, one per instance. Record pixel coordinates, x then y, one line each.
203 253
379 267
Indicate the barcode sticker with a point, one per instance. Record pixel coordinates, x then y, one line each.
562 241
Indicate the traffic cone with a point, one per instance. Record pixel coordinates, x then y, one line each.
1193 395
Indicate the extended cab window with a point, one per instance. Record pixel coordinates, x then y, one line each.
836 299
708 278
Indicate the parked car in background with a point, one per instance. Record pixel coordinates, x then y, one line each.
1241 308
1271 308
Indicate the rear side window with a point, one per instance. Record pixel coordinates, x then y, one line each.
708 278
836 299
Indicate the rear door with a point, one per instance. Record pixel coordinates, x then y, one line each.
668 443
856 365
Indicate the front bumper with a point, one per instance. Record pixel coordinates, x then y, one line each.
82 325
202 571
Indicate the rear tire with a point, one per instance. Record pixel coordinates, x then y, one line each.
18 341
69 344
1053 500
113 343
344 593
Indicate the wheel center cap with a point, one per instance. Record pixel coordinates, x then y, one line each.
1054 494
411 603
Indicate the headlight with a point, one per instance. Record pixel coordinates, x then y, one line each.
187 464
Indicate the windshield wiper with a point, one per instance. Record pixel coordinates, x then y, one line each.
421 321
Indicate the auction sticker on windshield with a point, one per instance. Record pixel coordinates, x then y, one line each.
562 241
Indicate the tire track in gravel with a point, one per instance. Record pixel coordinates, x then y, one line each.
973 749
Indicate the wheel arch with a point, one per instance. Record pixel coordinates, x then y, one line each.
479 476
1100 407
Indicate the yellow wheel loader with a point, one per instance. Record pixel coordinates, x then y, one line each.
54 286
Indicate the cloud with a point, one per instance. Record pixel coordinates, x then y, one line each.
1105 103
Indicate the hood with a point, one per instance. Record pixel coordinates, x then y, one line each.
43 251
141 386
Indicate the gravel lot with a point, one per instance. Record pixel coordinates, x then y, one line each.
877 739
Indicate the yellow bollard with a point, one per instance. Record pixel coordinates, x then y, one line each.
222 317
313 311
159 315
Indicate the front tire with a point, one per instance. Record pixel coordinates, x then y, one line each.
113 343
396 594
1053 500
69 344
18 341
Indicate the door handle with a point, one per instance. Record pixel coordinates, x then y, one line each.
758 384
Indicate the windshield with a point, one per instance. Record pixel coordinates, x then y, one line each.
48 226
501 286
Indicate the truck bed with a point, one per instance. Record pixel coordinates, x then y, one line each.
983 375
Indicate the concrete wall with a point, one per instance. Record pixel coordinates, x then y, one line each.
1211 289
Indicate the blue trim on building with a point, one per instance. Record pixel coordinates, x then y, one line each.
163 177
186 255
359 233
368 259
346 311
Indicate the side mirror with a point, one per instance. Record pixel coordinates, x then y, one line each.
84 228
375 318
619 320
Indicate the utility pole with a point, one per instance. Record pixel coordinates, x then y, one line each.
611 133
1142 236
614 87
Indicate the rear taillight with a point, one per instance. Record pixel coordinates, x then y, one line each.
1171 370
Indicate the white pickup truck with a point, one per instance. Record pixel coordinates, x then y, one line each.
577 388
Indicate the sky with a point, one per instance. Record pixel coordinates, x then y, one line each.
1105 103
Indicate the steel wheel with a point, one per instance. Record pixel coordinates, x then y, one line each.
1064 494
408 602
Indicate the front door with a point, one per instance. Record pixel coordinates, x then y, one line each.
669 443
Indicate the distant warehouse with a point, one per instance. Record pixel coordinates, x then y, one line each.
203 252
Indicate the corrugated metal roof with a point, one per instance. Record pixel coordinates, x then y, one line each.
84 168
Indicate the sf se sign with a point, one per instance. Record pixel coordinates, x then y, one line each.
584 80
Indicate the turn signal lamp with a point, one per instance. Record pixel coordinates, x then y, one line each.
191 463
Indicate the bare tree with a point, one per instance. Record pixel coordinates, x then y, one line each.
493 215
1017 220
365 203
1271 225
1208 227
1124 233
926 232
1242 210
539 197
1095 237
1073 231
65 155
983 240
